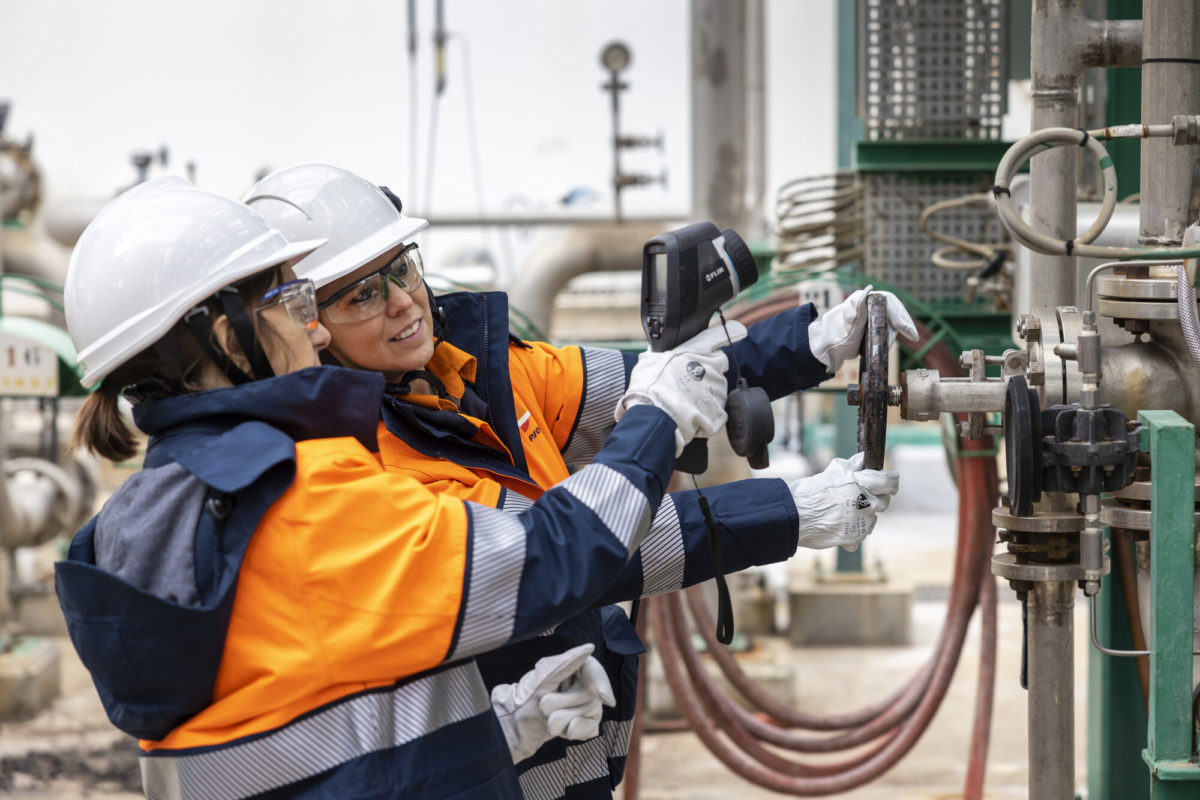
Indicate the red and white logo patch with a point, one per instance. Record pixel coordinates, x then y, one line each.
528 429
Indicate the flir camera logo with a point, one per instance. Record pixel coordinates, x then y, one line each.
696 370
528 429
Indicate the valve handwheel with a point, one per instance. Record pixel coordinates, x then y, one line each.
873 391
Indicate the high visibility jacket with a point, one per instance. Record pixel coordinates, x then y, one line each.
529 409
273 613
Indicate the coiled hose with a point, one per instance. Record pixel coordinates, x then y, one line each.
893 725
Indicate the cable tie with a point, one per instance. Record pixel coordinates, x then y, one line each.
1083 141
999 190
1070 246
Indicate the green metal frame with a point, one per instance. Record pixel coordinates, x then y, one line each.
1116 711
924 156
1123 105
1171 441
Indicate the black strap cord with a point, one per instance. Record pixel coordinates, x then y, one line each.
199 321
404 385
243 329
724 604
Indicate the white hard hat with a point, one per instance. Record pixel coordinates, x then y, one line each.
319 200
151 255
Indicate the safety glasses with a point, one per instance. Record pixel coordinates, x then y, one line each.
368 297
299 297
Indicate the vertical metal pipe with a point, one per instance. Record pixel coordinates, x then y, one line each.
1055 67
756 119
1051 691
1170 85
719 111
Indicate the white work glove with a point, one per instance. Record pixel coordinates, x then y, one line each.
838 506
561 696
837 334
688 383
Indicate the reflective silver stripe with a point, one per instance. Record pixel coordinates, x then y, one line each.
580 763
663 552
617 734
621 506
515 503
497 558
361 725
604 384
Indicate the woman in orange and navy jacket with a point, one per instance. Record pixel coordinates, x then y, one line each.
476 413
270 610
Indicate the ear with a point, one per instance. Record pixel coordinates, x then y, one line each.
226 339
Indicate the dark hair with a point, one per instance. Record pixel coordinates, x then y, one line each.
101 428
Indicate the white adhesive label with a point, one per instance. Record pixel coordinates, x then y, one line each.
1126 131
27 369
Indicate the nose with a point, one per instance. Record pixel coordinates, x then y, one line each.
320 338
398 300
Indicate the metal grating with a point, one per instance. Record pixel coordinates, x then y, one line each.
898 253
933 69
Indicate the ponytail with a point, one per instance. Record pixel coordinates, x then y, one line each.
101 427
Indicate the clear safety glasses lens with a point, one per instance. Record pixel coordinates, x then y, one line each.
368 297
299 297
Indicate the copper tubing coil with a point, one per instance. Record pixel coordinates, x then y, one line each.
899 720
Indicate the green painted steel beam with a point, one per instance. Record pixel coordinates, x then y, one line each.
1123 105
1177 772
1171 442
930 155
1019 24
1116 712
850 126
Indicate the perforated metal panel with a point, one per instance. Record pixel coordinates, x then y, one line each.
898 253
933 68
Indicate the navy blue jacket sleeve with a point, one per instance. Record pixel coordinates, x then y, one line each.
775 355
530 571
757 523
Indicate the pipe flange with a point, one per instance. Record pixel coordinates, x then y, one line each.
1113 512
1038 521
1139 492
1005 565
1138 309
1117 287
1059 381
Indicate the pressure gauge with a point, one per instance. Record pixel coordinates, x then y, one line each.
615 56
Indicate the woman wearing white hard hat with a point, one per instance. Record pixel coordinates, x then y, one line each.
270 611
474 412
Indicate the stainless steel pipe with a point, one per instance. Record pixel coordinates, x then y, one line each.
1051 651
1170 86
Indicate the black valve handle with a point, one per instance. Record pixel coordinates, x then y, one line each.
873 384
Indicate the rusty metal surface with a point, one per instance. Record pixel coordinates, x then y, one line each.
873 386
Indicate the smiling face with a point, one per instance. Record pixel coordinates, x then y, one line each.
395 341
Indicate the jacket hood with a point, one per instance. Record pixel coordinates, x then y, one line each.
312 403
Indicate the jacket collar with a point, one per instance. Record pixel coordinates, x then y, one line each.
313 403
477 323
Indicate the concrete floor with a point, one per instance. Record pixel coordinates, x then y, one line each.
70 751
